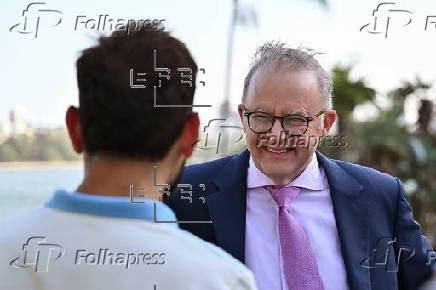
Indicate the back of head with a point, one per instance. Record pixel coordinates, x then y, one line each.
120 121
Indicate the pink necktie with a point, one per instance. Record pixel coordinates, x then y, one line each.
298 260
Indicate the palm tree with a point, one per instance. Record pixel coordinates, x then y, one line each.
390 146
347 95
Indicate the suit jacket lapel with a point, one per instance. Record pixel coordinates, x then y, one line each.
228 205
351 209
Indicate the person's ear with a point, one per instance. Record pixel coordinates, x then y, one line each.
329 120
189 136
241 114
74 130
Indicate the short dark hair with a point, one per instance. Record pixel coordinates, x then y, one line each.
121 121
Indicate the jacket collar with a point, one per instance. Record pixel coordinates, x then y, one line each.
351 207
227 206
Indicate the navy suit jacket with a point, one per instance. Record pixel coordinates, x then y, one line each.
373 218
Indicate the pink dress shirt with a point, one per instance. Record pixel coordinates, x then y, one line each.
312 208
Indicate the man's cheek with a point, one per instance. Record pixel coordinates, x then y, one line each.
252 143
258 140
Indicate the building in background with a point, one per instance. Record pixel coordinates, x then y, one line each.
15 126
18 123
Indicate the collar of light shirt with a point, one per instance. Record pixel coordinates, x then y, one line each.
111 206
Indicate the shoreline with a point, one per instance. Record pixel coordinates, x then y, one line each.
17 165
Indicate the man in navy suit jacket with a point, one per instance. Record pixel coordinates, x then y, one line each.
360 225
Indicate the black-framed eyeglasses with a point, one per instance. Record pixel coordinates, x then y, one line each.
261 122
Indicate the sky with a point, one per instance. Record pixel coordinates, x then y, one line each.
38 74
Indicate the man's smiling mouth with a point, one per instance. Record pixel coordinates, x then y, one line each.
279 150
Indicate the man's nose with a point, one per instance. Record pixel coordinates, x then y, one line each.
276 131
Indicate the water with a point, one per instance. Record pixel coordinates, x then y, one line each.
22 189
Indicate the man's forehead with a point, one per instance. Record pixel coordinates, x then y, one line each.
287 92
286 76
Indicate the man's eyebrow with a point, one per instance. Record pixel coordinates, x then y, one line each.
256 108
296 113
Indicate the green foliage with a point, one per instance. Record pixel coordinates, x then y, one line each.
8 153
387 143
347 93
51 146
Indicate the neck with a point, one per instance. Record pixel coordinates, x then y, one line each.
115 177
283 180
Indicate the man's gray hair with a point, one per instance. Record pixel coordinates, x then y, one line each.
275 56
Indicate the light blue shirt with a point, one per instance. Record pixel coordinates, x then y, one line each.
81 226
112 206
121 207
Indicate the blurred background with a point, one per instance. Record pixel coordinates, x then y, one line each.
381 55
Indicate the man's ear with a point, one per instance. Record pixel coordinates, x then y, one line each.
189 136
241 115
329 120
74 130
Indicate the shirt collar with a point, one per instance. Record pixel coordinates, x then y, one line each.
111 206
311 178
